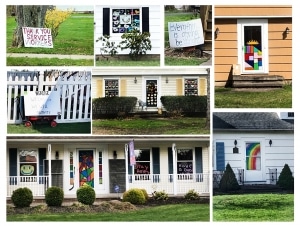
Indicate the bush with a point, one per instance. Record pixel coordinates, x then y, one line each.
160 195
22 197
134 196
228 181
112 106
86 195
192 195
145 194
54 196
286 179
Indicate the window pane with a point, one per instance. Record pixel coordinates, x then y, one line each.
142 168
125 20
142 155
191 87
184 167
111 88
184 154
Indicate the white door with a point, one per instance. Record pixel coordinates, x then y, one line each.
253 45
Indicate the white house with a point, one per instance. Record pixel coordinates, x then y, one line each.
110 164
115 20
257 145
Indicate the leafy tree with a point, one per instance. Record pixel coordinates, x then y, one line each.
228 181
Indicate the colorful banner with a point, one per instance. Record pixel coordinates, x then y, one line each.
131 153
253 156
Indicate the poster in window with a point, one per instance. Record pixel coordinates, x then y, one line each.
28 169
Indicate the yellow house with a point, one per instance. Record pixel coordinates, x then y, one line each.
253 45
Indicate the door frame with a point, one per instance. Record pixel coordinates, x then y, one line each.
265 47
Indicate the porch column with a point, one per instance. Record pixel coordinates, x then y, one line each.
174 149
49 169
126 167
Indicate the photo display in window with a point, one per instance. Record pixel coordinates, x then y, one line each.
125 20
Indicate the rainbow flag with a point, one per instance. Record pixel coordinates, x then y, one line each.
253 156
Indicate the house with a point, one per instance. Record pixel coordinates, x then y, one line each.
257 145
253 45
148 84
115 20
110 164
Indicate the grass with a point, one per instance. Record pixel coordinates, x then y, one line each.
76 37
178 212
138 126
273 98
254 207
21 61
61 128
148 62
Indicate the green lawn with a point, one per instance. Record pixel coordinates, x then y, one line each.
139 126
178 212
254 207
61 128
253 98
76 37
121 63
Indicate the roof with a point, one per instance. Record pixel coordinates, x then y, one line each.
249 121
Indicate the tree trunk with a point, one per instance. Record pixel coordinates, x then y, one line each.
28 16
208 100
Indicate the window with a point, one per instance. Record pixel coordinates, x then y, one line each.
28 165
100 168
191 87
253 156
111 88
125 20
184 163
142 166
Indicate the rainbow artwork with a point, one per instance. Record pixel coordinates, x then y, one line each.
253 156
253 57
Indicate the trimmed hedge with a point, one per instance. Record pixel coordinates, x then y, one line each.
22 197
109 107
185 104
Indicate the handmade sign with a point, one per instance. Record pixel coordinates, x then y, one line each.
185 33
37 37
42 103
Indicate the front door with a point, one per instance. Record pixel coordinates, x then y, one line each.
253 46
151 93
253 168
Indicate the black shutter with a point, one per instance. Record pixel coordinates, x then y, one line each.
145 19
106 19
170 160
155 157
198 156
220 156
42 156
13 162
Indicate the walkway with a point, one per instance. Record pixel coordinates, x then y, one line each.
31 55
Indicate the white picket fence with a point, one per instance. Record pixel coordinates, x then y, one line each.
74 88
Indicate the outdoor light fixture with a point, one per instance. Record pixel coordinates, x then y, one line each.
167 80
270 142
56 155
235 142
115 155
217 31
135 81
287 30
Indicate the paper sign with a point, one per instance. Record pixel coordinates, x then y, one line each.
37 37
185 33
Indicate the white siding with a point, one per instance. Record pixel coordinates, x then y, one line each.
154 26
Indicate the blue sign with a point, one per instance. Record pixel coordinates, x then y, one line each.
117 188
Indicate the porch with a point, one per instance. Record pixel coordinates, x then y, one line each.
174 185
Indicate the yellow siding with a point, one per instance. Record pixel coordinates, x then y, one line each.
123 88
179 87
99 88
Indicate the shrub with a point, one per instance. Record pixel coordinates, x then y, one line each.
145 194
228 181
160 195
286 179
138 43
134 196
192 195
54 196
107 46
86 195
22 197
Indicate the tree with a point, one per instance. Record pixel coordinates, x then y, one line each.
286 179
228 181
28 16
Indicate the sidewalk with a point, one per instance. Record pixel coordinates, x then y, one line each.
74 57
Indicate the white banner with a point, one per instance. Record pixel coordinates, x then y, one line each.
37 37
185 33
42 103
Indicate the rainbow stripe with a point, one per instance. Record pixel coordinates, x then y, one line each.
253 156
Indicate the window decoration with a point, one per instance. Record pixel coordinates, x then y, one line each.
86 168
111 88
71 171
125 20
185 161
100 165
28 162
142 165
253 156
253 48
151 93
191 87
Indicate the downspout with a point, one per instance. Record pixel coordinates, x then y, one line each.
49 165
174 151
